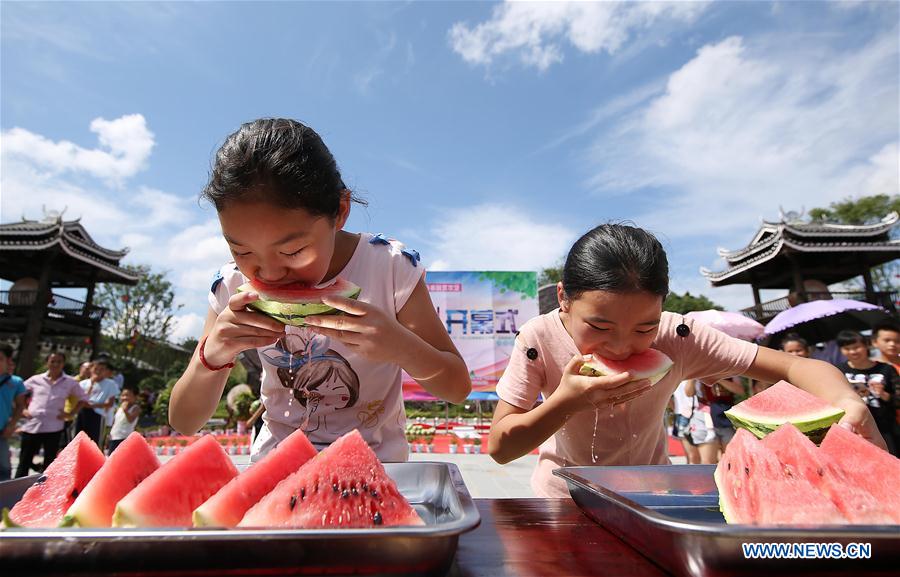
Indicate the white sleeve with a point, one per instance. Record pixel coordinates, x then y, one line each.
224 284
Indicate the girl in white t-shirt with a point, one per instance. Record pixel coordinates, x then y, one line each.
610 303
282 206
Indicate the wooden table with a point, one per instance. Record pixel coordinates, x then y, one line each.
531 537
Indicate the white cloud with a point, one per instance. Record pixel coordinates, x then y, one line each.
496 237
185 326
535 31
200 243
744 128
125 146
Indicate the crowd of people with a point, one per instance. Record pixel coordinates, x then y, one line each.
871 365
48 409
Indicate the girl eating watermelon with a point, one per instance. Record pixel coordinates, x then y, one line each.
337 314
609 411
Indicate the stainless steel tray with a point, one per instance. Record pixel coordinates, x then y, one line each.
670 514
436 490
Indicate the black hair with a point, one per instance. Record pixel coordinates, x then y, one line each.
847 338
7 350
102 362
618 258
794 338
279 161
889 326
56 354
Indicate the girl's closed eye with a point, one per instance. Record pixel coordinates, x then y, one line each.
295 253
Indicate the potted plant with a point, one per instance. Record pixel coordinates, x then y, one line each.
454 444
477 445
429 439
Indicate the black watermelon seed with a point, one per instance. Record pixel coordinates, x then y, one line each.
365 486
74 493
345 493
303 493
747 471
376 518
40 479
820 472
728 466
293 502
354 491
334 487
374 493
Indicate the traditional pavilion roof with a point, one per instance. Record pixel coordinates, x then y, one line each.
79 262
828 252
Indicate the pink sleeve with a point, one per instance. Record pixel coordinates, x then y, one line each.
524 378
710 355
224 284
406 272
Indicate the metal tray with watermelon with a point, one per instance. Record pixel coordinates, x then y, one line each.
670 513
435 490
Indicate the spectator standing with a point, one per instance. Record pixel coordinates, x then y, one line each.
101 394
126 417
44 416
684 407
12 404
874 381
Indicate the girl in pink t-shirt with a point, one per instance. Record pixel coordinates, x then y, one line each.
282 206
610 303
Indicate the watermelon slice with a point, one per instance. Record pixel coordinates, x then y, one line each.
171 493
868 467
291 303
754 489
344 486
228 506
784 403
800 458
45 502
650 364
132 462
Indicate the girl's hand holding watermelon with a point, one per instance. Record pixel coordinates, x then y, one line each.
363 327
237 329
580 392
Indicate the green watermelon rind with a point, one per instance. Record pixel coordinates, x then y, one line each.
590 371
7 523
813 426
294 313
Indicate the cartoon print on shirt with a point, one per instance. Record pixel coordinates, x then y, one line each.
368 417
320 379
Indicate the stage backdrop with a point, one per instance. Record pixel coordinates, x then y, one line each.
482 310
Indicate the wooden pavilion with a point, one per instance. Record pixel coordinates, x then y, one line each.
805 257
40 256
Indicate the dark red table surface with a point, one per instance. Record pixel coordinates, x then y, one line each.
530 537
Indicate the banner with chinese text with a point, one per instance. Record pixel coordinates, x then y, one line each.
482 311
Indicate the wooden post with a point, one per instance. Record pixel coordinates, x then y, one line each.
870 287
28 352
798 280
756 301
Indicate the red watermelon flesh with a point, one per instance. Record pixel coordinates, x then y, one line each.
344 486
754 489
867 466
171 493
45 502
800 458
227 507
650 364
784 403
132 462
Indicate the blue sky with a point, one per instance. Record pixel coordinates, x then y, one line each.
485 135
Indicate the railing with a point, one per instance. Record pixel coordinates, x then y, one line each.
19 303
764 312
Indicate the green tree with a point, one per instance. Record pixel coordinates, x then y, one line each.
865 210
551 275
687 302
138 317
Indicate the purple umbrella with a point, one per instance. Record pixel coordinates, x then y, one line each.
820 321
732 324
